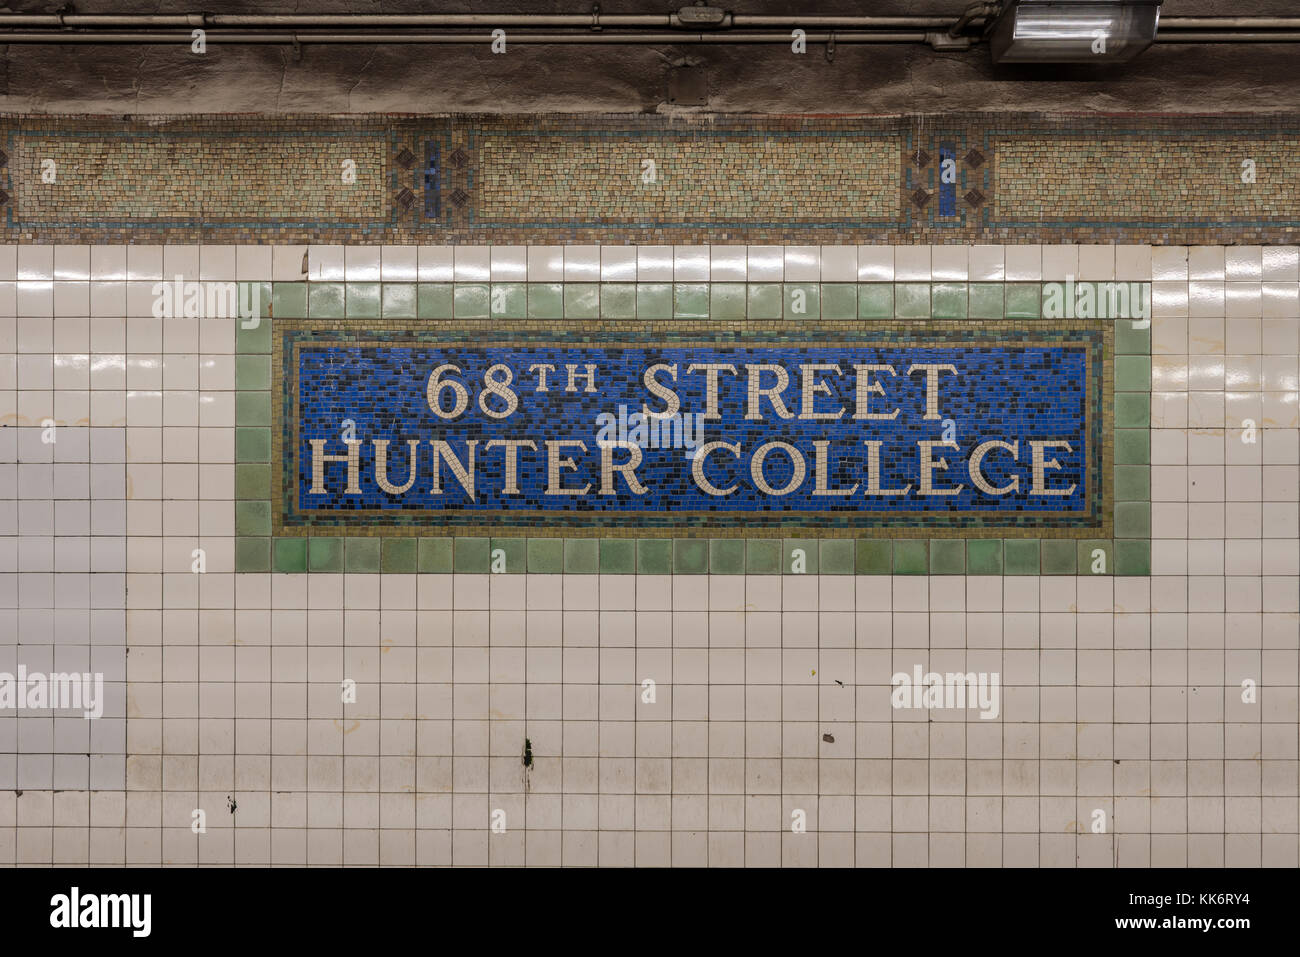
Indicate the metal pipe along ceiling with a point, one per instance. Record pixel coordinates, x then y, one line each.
477 38
356 20
689 25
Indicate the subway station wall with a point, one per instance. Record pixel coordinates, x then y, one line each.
575 491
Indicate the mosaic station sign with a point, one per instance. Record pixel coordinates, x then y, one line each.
939 428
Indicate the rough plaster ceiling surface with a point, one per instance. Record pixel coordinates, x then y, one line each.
422 79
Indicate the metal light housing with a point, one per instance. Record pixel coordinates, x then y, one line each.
1073 31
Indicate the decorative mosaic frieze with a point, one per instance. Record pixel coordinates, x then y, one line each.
354 361
573 179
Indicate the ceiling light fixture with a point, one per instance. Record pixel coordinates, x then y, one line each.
1073 31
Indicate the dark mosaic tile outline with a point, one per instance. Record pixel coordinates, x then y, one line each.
289 520
1128 553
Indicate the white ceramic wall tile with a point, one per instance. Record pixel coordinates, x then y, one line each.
232 680
766 263
1169 263
839 263
435 263
181 261
618 263
252 264
875 263
399 263
912 263
509 264
1096 263
987 263
949 263
472 263
803 264
654 263
1243 263
1060 262
1205 262
36 263
287 264
1023 263
362 263
545 263
727 263
1133 264
218 263
325 264
72 263
691 263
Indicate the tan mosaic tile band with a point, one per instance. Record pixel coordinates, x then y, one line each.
1182 177
686 178
194 177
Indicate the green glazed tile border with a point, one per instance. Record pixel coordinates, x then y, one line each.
763 557
696 556
726 556
617 556
1129 553
545 555
791 301
290 555
690 556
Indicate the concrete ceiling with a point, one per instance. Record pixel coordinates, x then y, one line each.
441 79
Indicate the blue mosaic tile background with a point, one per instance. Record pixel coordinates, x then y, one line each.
1010 393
